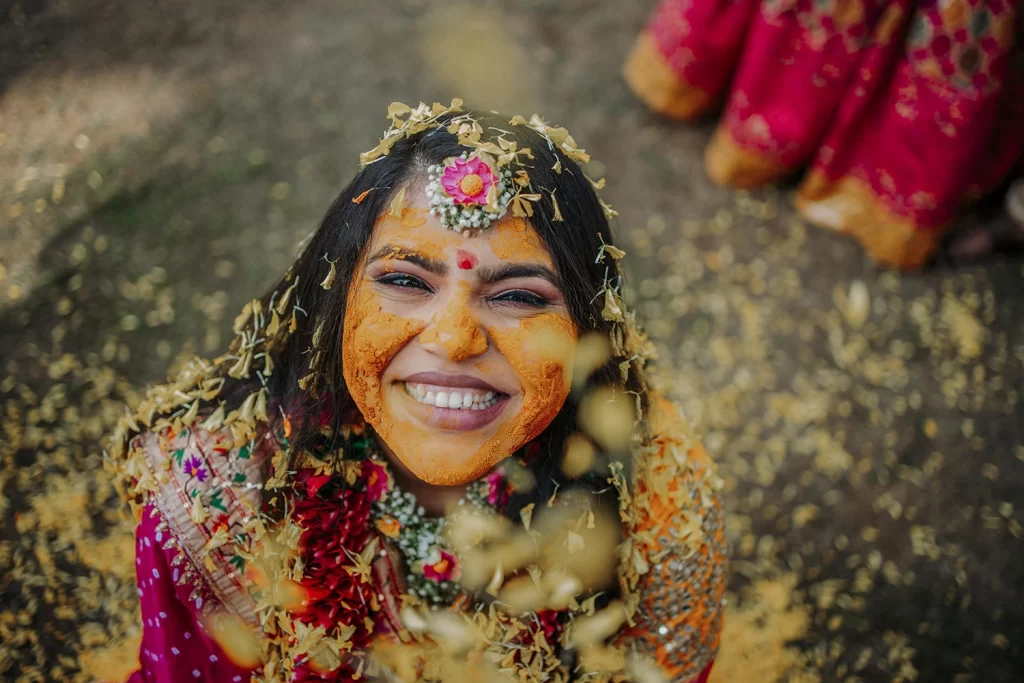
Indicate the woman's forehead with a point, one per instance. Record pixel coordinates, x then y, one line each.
413 227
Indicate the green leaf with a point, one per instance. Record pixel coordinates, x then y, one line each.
217 502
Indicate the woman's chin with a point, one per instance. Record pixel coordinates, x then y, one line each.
451 474
445 446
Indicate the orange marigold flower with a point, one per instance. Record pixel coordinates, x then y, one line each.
389 526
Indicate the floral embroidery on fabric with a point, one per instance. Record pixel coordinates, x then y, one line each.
194 468
208 493
934 83
962 45
822 21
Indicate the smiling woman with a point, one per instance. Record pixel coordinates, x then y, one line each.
432 450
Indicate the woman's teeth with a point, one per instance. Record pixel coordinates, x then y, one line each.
451 397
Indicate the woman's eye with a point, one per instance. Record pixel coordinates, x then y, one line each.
403 280
521 297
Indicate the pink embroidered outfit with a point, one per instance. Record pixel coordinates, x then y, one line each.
179 579
197 489
902 110
175 647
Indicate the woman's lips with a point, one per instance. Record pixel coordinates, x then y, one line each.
456 398
454 407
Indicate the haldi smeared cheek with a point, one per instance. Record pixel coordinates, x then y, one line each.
459 332
371 338
540 350
371 334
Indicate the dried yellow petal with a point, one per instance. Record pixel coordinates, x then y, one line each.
328 281
239 642
608 416
557 218
396 208
526 514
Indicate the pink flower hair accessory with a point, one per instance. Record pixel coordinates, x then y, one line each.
467 193
467 181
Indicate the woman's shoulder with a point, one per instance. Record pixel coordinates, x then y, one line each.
673 471
678 547
673 503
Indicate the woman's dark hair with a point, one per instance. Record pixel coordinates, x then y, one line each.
573 242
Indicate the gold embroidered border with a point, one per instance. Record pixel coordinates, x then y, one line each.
171 499
729 163
651 78
849 205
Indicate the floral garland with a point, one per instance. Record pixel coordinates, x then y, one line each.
433 569
341 612
337 601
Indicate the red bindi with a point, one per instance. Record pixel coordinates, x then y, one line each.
466 260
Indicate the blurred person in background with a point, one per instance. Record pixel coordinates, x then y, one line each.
901 111
451 341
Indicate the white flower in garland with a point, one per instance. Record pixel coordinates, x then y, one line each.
466 193
433 568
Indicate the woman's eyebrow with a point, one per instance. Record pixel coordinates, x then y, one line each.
390 252
492 274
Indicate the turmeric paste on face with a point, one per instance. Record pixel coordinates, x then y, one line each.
455 333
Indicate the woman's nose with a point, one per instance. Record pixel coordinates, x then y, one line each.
454 331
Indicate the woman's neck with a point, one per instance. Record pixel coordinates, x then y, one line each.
436 500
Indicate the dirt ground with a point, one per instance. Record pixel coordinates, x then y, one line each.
867 424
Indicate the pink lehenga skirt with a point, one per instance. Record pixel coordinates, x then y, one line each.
900 111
